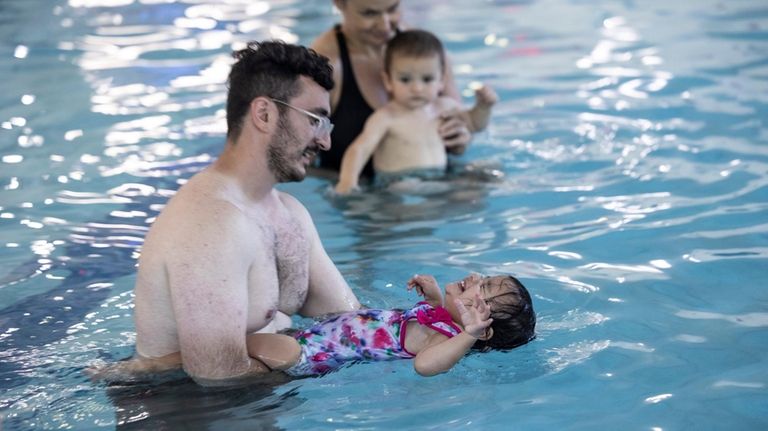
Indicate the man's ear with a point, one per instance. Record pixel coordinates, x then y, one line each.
262 114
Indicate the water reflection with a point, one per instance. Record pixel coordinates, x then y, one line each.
182 404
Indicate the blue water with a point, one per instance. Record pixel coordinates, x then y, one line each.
624 180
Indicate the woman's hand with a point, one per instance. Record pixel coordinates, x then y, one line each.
454 131
476 319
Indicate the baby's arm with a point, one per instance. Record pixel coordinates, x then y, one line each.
358 153
276 351
426 286
443 353
480 114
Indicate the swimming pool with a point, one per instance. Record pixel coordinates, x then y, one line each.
632 201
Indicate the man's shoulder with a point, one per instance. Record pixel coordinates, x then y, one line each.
199 209
291 203
200 197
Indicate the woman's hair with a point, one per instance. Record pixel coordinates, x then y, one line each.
270 69
514 320
413 43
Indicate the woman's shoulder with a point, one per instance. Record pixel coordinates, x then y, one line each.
326 45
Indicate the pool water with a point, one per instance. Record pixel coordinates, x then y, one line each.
624 180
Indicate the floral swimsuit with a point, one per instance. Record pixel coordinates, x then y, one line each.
371 334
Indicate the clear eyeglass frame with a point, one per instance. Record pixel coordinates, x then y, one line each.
323 125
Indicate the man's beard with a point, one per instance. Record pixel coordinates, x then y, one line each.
280 159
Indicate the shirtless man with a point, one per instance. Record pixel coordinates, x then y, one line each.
229 254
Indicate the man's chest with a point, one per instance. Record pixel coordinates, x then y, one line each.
280 277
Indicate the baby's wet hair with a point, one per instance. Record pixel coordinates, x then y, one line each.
514 320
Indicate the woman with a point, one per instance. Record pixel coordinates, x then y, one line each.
356 51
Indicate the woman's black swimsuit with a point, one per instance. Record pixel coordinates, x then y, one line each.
350 115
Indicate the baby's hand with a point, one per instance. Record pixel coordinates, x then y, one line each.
426 286
486 96
476 319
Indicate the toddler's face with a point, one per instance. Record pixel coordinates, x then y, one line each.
415 81
471 285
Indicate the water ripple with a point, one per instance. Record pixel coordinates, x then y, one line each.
752 320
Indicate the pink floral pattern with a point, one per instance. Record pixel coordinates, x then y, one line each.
370 334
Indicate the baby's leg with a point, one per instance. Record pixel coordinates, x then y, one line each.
276 351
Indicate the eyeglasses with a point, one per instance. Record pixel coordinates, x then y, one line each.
322 125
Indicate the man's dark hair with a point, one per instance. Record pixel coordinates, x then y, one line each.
270 69
414 43
514 321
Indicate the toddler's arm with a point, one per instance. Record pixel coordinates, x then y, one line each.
442 354
480 114
358 153
276 351
427 286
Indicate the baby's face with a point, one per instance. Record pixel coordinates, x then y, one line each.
415 81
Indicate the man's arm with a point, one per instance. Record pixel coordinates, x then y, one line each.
328 291
358 153
207 274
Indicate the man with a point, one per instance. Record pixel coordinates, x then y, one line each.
229 254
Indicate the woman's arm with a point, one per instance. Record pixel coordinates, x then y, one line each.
325 44
453 127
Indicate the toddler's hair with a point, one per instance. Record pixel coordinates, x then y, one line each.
414 43
514 321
